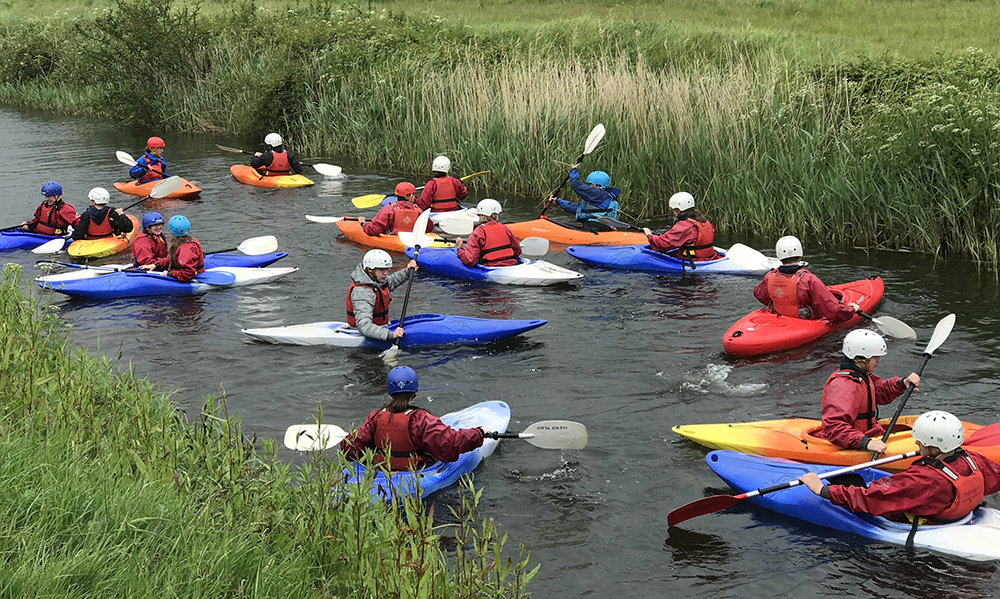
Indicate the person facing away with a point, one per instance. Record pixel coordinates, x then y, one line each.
100 220
597 198
398 214
149 250
186 256
853 393
491 243
795 292
368 295
442 193
53 216
944 485
692 236
404 436
275 161
150 166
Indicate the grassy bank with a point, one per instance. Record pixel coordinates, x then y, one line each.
107 491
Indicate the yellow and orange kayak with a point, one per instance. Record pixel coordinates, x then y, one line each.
569 235
188 190
105 246
249 176
353 231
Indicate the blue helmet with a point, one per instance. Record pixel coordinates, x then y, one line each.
401 379
179 226
51 189
151 218
599 178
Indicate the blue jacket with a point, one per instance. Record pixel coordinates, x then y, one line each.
597 201
145 160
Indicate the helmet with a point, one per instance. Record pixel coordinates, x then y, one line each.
937 429
488 207
864 343
273 140
682 201
154 142
151 218
401 379
599 178
99 195
51 189
404 189
179 226
441 164
788 247
376 259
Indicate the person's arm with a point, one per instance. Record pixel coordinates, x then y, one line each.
424 201
760 291
187 260
595 196
915 491
445 443
379 224
68 216
142 251
294 163
842 402
819 297
888 389
360 439
262 161
80 229
139 169
397 278
163 165
514 243
461 191
681 233
120 222
469 253
363 300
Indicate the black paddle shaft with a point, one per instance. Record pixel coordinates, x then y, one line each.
902 402
561 185
409 285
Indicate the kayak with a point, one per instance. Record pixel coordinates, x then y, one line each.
764 330
491 415
249 176
117 285
105 246
643 259
421 329
528 272
566 234
187 190
353 231
18 239
794 439
81 271
975 537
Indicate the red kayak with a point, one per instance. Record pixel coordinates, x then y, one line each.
764 330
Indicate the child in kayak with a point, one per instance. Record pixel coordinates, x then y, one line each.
405 437
398 214
100 220
368 295
691 237
276 161
597 199
442 193
150 166
491 243
53 216
149 250
852 394
186 256
793 291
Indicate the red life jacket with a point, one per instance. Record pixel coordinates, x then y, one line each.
392 438
969 489
380 311
45 224
404 216
497 245
445 198
784 291
279 165
703 247
98 231
153 172
863 421
157 247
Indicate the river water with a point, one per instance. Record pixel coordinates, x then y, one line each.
629 355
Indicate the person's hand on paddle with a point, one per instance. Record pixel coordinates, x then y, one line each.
24 225
551 200
458 243
149 266
875 445
574 166
646 231
258 153
412 265
812 482
856 307
397 333
361 220
913 379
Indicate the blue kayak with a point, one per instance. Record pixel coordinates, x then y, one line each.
242 260
125 284
528 272
975 537
17 239
641 258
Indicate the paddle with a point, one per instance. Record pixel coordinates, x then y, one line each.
212 277
716 503
534 246
374 199
329 219
616 224
126 158
327 170
941 332
414 239
456 226
890 326
254 246
750 259
308 437
984 437
595 137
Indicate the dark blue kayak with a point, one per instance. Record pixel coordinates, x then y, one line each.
124 284
17 239
216 260
641 258
528 272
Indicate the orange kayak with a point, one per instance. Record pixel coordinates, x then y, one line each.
105 246
353 231
187 190
249 176
557 232
793 440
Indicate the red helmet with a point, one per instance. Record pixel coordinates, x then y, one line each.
404 189
155 142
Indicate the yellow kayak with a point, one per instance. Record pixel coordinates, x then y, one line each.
105 246
249 176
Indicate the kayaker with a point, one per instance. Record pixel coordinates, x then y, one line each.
276 161
491 243
852 394
691 237
943 486
397 214
100 220
53 216
186 256
150 166
597 199
368 295
405 437
793 291
149 250
442 193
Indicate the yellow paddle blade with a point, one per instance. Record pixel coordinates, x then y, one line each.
368 201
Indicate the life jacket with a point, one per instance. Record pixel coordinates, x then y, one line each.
969 489
392 438
784 291
45 224
199 267
380 311
587 211
703 247
404 216
102 229
497 245
279 165
154 170
864 421
445 198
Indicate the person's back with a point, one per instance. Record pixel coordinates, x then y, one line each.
276 161
187 259
597 198
692 236
793 291
100 220
492 243
396 216
442 193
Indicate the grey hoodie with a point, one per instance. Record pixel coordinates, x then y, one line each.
363 300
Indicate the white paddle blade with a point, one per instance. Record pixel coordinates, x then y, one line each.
534 246
328 170
892 327
391 355
308 437
595 137
166 187
556 434
418 236
324 219
751 259
125 158
256 246
457 225
941 332
50 247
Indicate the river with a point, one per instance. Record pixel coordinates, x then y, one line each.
629 355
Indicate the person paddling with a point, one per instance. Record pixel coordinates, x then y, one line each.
150 166
492 243
276 161
186 256
398 214
368 295
404 436
793 291
53 216
691 237
442 193
853 393
149 250
597 199
100 220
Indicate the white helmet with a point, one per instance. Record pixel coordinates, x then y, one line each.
273 140
376 259
682 201
788 246
99 195
488 207
939 429
441 164
864 343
